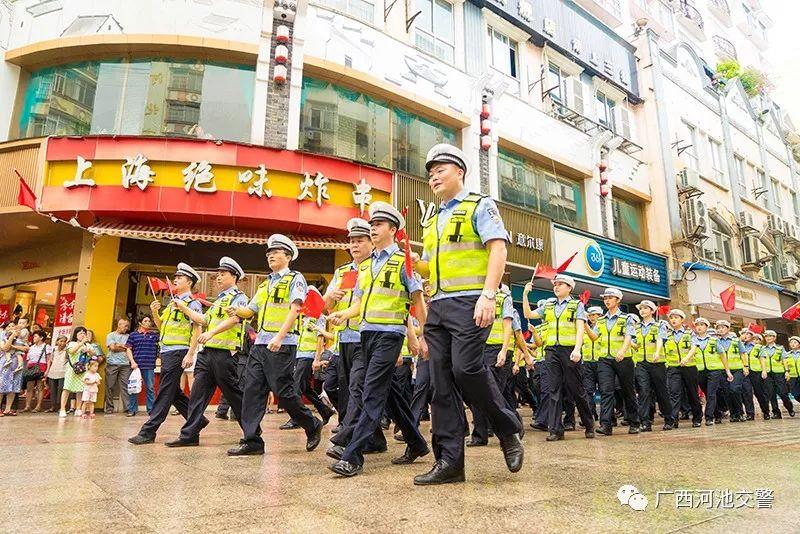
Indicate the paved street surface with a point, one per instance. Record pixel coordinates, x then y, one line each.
82 476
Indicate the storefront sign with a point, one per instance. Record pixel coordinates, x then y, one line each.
198 182
528 234
28 265
65 311
609 263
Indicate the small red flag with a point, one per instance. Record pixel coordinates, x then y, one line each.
25 197
348 280
154 285
663 309
412 311
563 267
729 298
544 271
314 304
406 247
585 296
792 313
757 329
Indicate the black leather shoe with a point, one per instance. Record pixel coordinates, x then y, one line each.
777 416
569 428
589 434
791 414
766 417
717 420
604 430
554 437
289 425
709 423
537 426
513 452
221 416
336 429
139 439
646 428
346 469
327 416
750 418
335 452
314 438
696 424
476 443
633 429
375 450
441 473
182 443
667 426
385 423
409 456
245 449
204 423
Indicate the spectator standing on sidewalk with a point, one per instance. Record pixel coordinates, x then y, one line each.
119 364
142 348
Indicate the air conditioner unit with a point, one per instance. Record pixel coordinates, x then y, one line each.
314 135
774 224
786 230
695 219
745 221
688 180
791 232
788 271
752 257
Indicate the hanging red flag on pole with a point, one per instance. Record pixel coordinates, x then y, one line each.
543 271
729 298
663 309
585 296
348 280
25 197
792 313
314 304
757 329
563 267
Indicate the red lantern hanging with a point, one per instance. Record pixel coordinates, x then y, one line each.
486 111
282 34
279 74
486 142
281 54
486 126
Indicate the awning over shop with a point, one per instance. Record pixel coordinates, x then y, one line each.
754 299
699 266
171 233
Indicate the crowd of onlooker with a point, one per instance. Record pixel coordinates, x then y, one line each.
35 369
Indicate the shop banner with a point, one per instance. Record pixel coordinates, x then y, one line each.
65 310
609 263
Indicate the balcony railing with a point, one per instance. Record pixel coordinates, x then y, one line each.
691 13
583 123
723 47
721 5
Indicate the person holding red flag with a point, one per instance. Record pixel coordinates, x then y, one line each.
270 367
382 300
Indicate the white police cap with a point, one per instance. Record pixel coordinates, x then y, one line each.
795 338
594 309
647 303
445 153
357 227
280 241
702 320
383 211
770 333
184 269
635 318
565 278
676 311
722 322
611 292
230 265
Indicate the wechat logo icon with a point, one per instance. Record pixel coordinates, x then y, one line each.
628 495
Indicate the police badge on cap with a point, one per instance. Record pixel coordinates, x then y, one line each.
281 242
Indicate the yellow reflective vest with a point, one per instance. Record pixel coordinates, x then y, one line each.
385 299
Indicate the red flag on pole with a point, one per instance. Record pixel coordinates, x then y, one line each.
25 197
544 271
348 280
314 304
156 285
757 329
563 267
729 298
585 296
663 309
402 237
792 313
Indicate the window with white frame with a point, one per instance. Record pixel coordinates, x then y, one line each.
776 196
689 145
360 9
434 27
557 84
605 107
503 53
717 161
718 248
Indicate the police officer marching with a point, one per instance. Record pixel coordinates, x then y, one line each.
651 370
277 303
590 353
464 258
348 337
712 368
615 331
681 369
216 362
178 340
756 371
540 382
382 300
564 333
792 363
729 345
777 377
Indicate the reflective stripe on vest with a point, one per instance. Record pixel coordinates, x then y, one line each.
675 351
775 362
176 327
308 337
274 304
734 357
496 334
560 329
708 359
589 349
346 301
230 339
792 363
458 259
754 358
385 299
646 344
613 340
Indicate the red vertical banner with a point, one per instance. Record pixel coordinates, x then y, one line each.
5 313
65 310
